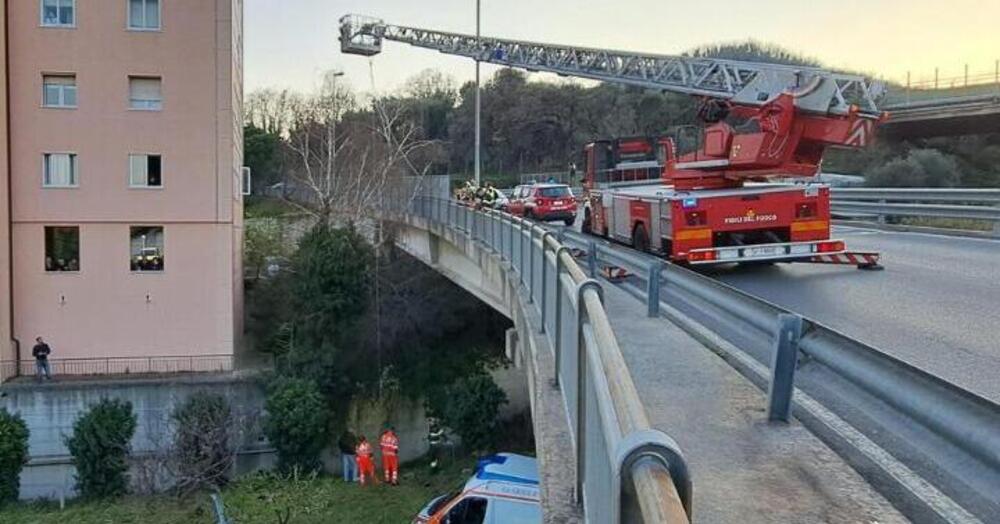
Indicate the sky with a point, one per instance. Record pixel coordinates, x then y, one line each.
289 43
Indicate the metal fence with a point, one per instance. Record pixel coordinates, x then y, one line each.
879 203
625 470
122 365
965 420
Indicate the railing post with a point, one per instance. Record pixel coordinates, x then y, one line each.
786 351
557 345
581 382
653 288
881 217
520 231
531 263
544 276
996 224
592 259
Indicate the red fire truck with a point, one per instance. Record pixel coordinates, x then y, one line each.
715 202
630 198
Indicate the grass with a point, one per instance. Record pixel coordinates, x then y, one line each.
260 499
263 207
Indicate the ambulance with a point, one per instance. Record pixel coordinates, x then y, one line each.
503 490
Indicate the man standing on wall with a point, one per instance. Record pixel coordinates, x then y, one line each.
348 463
389 443
41 353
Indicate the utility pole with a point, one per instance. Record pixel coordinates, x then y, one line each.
478 101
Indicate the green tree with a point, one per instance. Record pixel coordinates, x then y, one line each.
920 168
470 407
13 454
100 447
329 287
261 153
262 238
297 423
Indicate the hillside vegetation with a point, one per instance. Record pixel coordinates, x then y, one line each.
540 126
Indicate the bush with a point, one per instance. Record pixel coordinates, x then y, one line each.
296 423
13 454
100 447
920 168
469 407
202 441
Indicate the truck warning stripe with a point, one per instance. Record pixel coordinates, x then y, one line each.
694 234
812 225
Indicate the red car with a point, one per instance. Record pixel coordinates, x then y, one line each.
547 202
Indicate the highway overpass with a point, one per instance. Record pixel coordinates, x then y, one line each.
928 112
895 413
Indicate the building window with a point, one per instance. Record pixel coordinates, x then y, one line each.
62 248
59 90
144 171
144 15
144 93
59 170
58 13
146 247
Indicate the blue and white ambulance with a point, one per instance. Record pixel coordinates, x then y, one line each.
504 490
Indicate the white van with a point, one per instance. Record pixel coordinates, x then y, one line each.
504 490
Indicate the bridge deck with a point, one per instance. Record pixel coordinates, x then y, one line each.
745 469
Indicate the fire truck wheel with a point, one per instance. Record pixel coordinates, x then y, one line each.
640 239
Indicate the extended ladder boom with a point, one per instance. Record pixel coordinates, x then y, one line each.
741 82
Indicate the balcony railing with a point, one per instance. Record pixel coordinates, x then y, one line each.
121 366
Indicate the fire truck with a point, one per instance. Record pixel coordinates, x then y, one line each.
713 197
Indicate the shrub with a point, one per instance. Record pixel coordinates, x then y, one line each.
203 441
100 447
469 407
920 168
13 454
296 423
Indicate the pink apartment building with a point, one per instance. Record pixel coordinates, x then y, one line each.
120 193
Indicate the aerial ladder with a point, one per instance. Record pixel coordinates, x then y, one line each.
713 202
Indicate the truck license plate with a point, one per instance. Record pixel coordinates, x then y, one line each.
763 251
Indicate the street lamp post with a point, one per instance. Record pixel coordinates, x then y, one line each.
478 101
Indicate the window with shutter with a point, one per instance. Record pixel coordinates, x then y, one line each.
145 93
59 91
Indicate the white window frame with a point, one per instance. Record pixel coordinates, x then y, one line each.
74 165
246 179
41 16
146 185
148 107
159 16
62 92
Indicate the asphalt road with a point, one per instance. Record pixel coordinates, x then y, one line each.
936 305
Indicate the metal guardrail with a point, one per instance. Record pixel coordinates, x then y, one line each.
968 421
967 204
122 365
626 470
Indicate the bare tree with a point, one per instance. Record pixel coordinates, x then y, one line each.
271 110
345 159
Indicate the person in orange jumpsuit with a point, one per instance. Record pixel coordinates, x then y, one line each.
366 466
389 443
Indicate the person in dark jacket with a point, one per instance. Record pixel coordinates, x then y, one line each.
41 352
348 462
